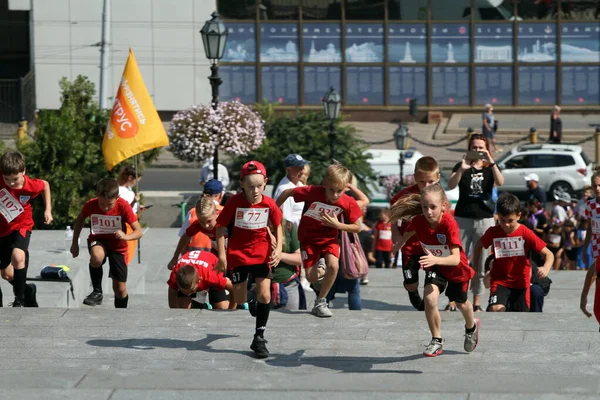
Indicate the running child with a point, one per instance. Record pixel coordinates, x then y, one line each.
444 261
108 215
510 277
196 272
16 223
427 173
592 213
246 217
382 245
320 226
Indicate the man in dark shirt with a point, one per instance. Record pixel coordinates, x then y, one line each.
534 191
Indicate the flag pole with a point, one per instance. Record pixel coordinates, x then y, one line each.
137 191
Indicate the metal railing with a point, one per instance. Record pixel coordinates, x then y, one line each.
17 99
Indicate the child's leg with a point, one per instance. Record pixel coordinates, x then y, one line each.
20 273
263 307
431 294
378 259
97 256
498 298
466 308
240 292
558 259
121 295
597 299
118 272
331 273
387 259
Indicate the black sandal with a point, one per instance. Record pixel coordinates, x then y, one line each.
477 309
450 308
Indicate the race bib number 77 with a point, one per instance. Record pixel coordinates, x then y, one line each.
10 208
252 218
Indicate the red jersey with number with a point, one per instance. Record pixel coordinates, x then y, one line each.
15 205
383 238
103 225
311 229
248 242
511 267
412 246
204 262
439 241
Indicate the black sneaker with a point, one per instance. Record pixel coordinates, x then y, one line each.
416 301
30 295
18 303
93 299
259 347
252 307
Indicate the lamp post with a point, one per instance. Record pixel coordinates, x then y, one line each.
214 36
401 140
332 102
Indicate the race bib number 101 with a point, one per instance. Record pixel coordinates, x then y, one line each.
252 218
10 208
105 224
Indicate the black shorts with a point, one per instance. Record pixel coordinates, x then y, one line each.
515 300
571 254
13 240
116 262
410 268
455 291
214 295
240 274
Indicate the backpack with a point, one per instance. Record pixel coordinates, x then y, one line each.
353 262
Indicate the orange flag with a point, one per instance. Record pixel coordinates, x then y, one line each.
134 125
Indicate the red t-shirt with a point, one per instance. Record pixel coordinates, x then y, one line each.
511 267
15 206
248 242
412 247
311 229
383 241
439 241
204 262
103 225
196 228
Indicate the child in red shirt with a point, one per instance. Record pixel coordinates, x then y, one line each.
16 222
510 277
320 226
382 245
249 250
107 240
427 173
196 272
444 260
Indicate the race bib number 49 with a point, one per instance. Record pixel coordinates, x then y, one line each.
317 208
105 224
509 247
252 218
10 208
436 250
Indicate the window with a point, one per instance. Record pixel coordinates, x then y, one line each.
537 85
364 43
551 160
237 9
241 42
414 10
455 10
450 43
365 9
274 9
279 43
322 43
364 85
517 162
280 84
580 42
239 83
450 85
536 42
407 43
318 80
581 85
406 83
493 85
493 43
322 9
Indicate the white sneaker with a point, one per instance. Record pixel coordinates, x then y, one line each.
364 281
321 309
306 285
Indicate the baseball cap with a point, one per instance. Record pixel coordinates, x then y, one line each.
213 186
294 160
532 177
253 167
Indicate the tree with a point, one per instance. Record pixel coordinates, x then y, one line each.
307 134
66 151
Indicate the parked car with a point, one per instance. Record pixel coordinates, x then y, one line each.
560 167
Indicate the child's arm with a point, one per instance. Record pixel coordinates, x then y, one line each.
222 263
586 244
135 235
361 199
587 284
398 245
548 261
183 241
332 222
76 231
48 203
172 298
276 254
429 260
284 196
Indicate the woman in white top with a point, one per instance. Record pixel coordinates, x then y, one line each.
127 180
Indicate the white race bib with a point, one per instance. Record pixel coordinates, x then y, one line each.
317 208
385 235
252 218
554 239
10 208
105 224
509 247
596 225
437 250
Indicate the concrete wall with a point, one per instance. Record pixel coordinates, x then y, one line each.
163 34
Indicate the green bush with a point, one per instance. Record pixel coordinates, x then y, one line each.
67 152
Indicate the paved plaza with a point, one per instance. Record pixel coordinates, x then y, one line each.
151 352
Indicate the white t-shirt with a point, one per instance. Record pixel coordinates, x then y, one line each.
558 212
127 194
206 174
291 210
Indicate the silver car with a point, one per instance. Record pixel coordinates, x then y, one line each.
560 167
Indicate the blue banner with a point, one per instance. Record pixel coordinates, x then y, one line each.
318 80
493 43
493 85
322 43
364 85
407 83
407 43
364 43
279 43
536 42
580 42
280 84
241 42
450 43
581 85
537 85
450 85
239 83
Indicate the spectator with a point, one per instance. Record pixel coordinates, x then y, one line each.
534 191
555 126
489 126
560 212
128 178
587 195
536 218
305 174
294 168
206 173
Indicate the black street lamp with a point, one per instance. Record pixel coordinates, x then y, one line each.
332 102
401 140
214 37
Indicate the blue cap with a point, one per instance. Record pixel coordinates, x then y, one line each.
294 160
213 186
